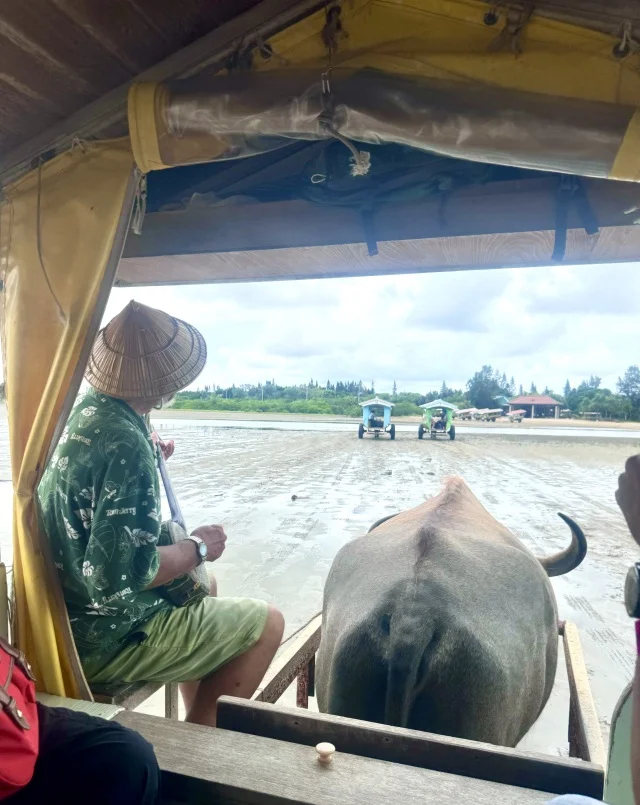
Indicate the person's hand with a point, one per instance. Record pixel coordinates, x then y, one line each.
628 495
214 538
167 448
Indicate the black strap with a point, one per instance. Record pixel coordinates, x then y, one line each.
368 224
571 190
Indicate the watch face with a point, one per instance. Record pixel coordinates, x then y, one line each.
632 591
202 550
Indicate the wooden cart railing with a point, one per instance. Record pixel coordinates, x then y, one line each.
297 662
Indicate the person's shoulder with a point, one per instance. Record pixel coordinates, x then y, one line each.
102 421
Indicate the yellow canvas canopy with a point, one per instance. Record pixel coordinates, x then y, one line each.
547 94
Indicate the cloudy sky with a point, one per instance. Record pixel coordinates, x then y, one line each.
542 325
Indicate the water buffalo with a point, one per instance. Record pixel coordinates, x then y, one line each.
440 619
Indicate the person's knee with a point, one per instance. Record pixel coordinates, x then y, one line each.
134 765
274 626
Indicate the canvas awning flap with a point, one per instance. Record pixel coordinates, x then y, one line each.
425 75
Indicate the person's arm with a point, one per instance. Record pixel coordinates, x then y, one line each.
628 497
635 725
175 560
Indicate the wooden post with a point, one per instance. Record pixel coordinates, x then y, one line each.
312 676
302 689
171 700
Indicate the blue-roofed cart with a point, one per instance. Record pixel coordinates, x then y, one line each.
438 420
376 418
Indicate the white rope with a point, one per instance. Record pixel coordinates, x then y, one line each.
140 206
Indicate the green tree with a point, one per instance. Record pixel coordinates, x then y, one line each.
567 390
533 389
395 389
629 386
484 387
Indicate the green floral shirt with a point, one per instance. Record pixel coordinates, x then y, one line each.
100 502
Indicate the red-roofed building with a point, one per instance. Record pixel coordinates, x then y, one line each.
536 405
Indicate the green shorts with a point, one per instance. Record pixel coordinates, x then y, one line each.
186 643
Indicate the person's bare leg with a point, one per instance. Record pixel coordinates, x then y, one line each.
213 592
189 689
240 677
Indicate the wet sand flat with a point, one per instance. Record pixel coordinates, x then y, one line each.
281 549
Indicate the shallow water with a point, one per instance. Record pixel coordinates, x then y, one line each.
461 430
243 475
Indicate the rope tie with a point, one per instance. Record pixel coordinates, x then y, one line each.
360 160
139 206
77 144
634 211
626 45
514 25
62 316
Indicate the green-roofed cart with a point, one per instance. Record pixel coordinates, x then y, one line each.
438 420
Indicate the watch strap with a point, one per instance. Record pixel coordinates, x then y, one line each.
197 542
637 625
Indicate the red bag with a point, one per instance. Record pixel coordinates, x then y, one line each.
18 721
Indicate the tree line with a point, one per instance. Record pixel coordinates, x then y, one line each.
483 390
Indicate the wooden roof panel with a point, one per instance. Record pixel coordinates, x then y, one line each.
56 56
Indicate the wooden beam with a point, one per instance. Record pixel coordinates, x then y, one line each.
585 737
615 244
501 207
261 22
204 765
412 748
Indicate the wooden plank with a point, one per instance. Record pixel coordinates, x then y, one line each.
97 709
288 665
585 737
413 748
501 207
426 255
128 695
101 116
200 764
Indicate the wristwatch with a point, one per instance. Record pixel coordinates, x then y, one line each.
201 547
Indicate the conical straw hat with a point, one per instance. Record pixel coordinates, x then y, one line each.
144 353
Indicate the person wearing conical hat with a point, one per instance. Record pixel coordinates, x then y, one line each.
101 505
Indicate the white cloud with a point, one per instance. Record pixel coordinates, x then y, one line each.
541 324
